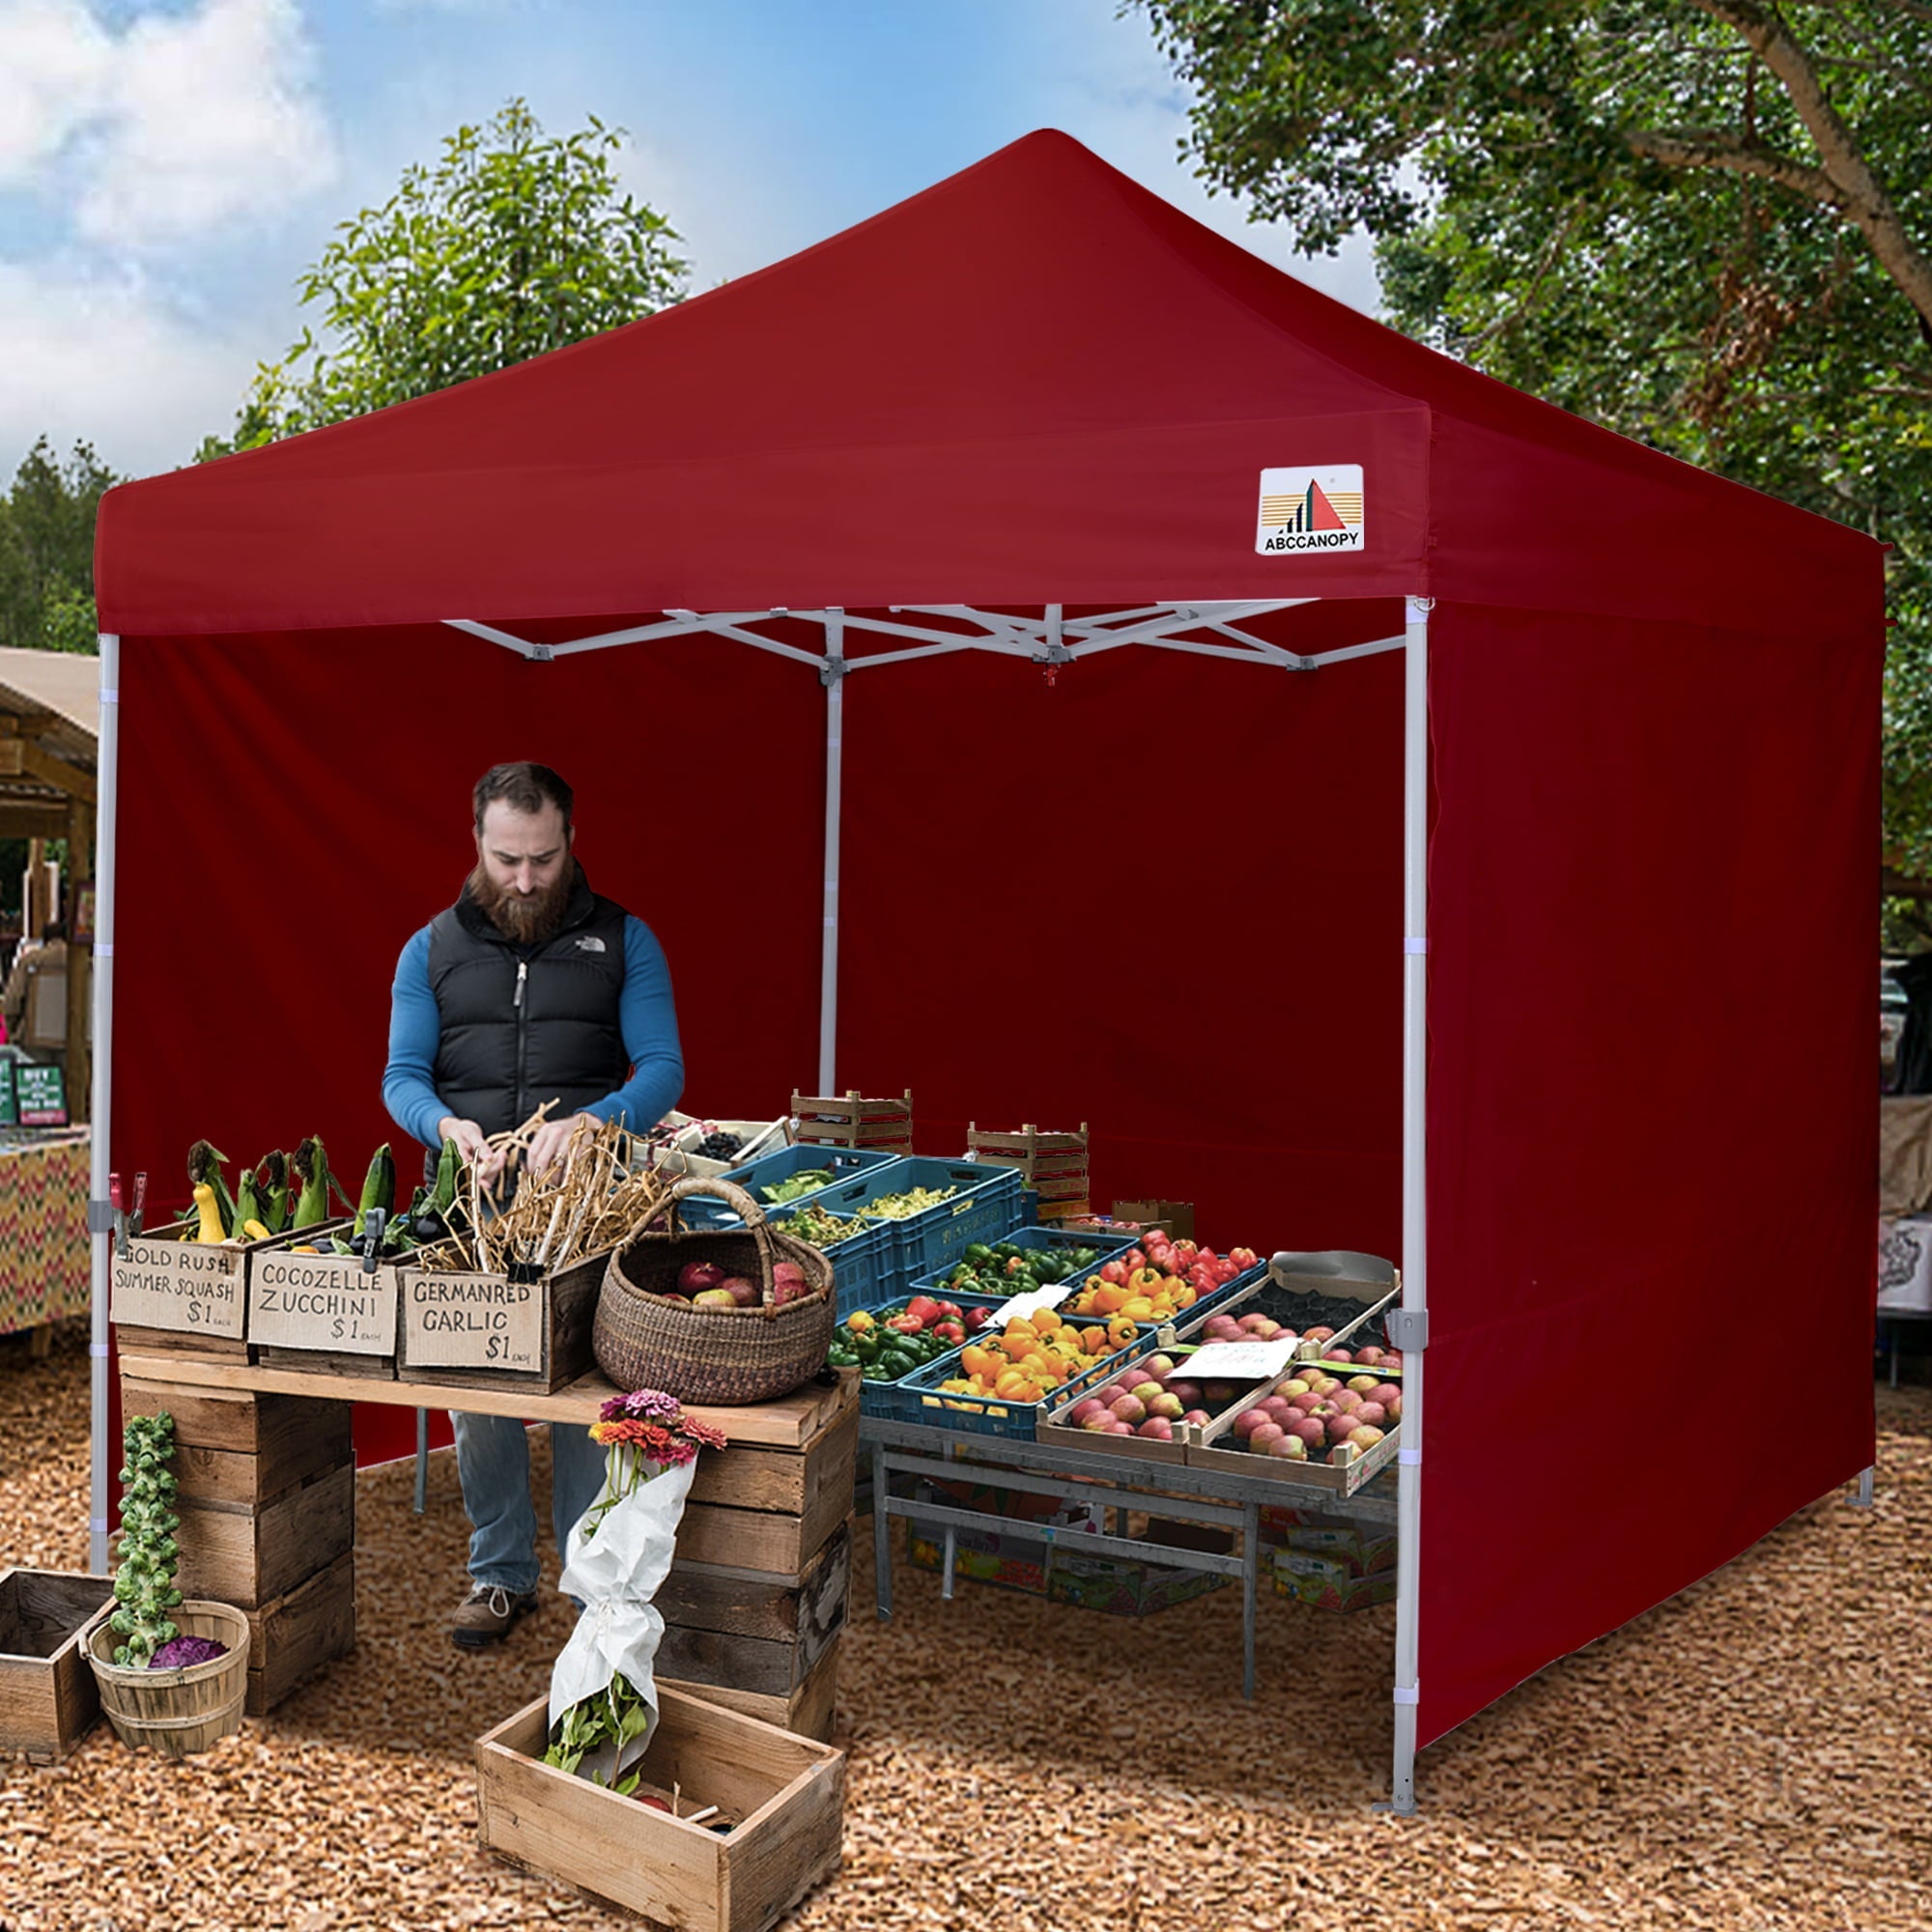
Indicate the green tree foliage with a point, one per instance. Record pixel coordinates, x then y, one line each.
1705 225
46 550
514 242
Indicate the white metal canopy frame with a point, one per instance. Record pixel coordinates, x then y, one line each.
910 633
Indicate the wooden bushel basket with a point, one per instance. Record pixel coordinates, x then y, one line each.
178 1712
644 1338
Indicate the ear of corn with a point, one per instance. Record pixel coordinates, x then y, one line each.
271 1190
311 1164
246 1206
378 1187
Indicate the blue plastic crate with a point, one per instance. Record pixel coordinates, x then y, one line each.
1105 1246
872 1395
985 1206
859 1264
768 1170
918 1397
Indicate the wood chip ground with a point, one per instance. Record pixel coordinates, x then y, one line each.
1749 1757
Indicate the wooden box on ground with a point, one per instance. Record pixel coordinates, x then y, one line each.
487 1331
303 1630
785 1793
756 1596
324 1312
47 1696
762 1632
847 1121
808 1710
1052 1165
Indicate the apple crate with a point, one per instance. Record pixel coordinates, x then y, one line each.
1205 1450
1051 1425
48 1700
918 1397
782 1798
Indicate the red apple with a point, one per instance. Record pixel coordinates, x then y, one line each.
1129 1410
1087 1405
1321 1334
1166 1405
1290 1448
1371 1415
1156 1429
694 1277
1385 1393
744 1292
1341 1356
1268 1431
1251 1419
1308 1432
1199 1417
1365 1439
1188 1392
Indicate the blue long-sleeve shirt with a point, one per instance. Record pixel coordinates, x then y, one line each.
644 1014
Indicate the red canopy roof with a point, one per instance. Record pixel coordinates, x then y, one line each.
1034 382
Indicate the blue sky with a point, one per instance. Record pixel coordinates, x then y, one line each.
168 166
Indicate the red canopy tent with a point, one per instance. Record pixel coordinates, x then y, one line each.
1056 550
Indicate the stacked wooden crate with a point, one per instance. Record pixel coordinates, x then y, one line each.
1052 1165
755 1600
268 1518
850 1121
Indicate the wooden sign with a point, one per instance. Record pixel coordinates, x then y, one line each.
473 1322
322 1301
166 1281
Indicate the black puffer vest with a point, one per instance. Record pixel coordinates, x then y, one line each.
526 1024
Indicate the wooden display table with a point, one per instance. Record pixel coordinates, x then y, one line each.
755 1603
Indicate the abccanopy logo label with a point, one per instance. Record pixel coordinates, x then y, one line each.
1310 510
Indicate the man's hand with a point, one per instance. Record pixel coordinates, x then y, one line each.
552 1138
474 1145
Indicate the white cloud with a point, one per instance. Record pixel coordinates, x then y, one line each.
177 125
54 66
103 357
212 118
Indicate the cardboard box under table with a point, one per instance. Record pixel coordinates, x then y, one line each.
755 1603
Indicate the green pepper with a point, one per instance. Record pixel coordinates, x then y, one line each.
978 1252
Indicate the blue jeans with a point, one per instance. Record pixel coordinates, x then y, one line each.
493 1460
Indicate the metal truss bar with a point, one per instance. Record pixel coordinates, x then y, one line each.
638 634
1348 652
739 635
523 647
1262 655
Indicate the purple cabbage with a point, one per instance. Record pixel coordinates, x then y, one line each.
178 1653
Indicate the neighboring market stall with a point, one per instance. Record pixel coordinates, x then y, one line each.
1236 675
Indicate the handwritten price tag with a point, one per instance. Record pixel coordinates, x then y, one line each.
1241 1361
1031 1303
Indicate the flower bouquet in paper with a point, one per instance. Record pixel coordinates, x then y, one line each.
603 1696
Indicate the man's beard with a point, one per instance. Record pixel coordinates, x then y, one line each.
527 920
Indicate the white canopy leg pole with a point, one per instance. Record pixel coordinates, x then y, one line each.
834 675
1410 1331
99 1219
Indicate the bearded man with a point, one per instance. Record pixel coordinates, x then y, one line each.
530 989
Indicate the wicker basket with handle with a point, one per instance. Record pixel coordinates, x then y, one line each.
645 1338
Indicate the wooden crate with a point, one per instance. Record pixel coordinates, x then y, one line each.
1053 1165
298 1634
324 1312
778 1539
250 1557
486 1331
787 1792
48 1701
169 1294
235 1451
753 1632
848 1121
807 1711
